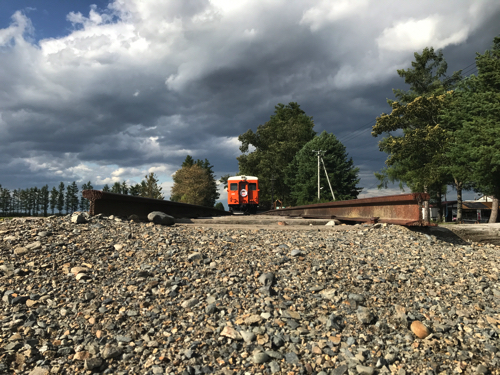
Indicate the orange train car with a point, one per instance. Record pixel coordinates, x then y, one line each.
243 194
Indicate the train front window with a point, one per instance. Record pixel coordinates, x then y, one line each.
252 186
233 187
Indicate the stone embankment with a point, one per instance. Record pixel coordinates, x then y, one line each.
112 296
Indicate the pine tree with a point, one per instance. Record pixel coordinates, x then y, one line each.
124 188
116 188
53 199
416 156
44 199
150 187
136 190
473 117
35 200
5 201
73 197
84 202
301 174
60 198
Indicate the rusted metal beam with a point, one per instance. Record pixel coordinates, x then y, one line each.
125 205
403 209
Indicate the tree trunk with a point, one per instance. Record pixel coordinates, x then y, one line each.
427 216
494 211
458 186
439 207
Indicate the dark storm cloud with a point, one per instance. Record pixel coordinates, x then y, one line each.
139 85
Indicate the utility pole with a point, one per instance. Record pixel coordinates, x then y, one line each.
319 156
328 178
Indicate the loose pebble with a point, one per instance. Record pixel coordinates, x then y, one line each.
116 295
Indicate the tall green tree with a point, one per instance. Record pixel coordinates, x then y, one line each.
125 188
302 173
5 201
60 198
150 187
84 202
71 198
274 145
116 188
191 185
16 201
106 188
44 199
414 138
210 193
53 199
473 117
35 200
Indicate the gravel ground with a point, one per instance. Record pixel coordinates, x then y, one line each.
118 297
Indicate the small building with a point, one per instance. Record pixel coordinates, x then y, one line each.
472 211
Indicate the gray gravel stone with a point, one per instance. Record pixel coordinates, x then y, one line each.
260 358
247 296
162 218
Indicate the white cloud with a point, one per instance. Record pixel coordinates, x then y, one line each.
327 11
414 35
19 26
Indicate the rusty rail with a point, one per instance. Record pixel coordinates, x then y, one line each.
404 209
126 205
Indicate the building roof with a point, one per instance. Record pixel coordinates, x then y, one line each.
476 206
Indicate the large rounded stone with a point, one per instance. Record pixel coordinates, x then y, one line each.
420 330
259 358
162 218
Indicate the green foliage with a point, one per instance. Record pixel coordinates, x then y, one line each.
71 198
473 119
54 197
106 188
44 199
219 206
188 189
302 173
415 157
116 188
275 144
135 190
84 202
150 187
60 198
223 180
124 188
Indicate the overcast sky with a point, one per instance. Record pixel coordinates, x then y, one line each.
111 90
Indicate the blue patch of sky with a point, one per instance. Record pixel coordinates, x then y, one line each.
47 16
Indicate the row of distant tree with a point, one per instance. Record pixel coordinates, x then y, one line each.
63 199
42 201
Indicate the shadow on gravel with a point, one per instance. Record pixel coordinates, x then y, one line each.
441 233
